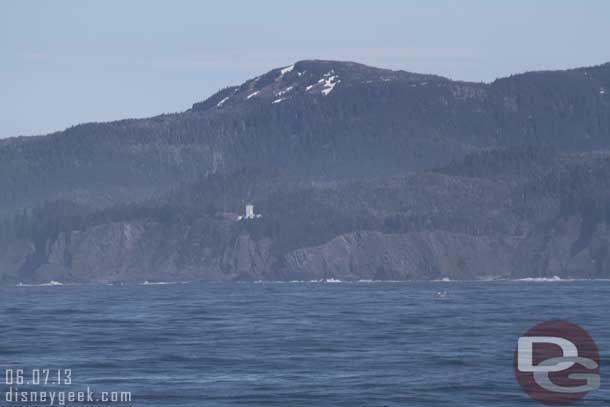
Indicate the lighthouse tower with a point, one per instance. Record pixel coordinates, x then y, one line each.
249 212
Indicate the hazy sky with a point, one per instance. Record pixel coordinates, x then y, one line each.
69 62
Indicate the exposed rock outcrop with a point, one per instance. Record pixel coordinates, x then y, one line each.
141 251
14 258
422 255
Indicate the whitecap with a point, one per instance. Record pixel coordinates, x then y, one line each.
543 279
51 283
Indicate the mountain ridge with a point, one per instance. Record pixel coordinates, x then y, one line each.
604 65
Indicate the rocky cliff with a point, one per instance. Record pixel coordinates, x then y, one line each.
138 252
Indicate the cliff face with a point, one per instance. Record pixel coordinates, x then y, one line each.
140 252
423 256
14 256
571 248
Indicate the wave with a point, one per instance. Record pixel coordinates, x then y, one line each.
330 280
321 281
541 279
54 283
383 281
163 282
51 283
441 280
544 279
557 279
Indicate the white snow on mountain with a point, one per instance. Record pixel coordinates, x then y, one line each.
329 83
283 92
284 71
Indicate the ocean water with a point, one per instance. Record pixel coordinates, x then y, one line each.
283 344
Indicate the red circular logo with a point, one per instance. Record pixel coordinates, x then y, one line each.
557 363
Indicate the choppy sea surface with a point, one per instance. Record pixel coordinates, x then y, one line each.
308 344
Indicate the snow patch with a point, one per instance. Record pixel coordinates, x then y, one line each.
283 92
329 89
251 95
222 101
329 84
602 91
286 70
277 101
310 86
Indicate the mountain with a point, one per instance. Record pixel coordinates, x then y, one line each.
314 118
358 173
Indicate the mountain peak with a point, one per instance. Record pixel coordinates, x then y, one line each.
306 78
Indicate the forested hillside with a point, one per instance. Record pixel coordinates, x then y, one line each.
315 118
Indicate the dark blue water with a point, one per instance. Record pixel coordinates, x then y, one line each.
377 344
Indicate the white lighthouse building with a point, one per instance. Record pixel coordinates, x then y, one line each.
249 213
